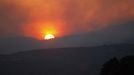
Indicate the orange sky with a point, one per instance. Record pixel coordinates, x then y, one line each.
35 18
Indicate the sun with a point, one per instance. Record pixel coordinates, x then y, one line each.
49 36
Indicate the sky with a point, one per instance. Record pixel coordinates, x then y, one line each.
35 18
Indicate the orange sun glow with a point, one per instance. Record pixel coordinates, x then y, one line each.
49 36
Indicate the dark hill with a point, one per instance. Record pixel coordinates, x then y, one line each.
62 61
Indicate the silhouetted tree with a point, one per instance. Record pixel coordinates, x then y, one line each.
109 67
125 66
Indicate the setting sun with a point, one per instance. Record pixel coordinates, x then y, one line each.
49 36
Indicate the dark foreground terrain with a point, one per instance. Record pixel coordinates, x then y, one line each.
63 61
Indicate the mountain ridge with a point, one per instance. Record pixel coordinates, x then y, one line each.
114 34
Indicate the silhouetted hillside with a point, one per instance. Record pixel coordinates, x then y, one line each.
62 61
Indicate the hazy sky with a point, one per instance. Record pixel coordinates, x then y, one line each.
35 18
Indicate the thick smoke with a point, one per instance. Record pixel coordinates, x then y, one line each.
65 17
